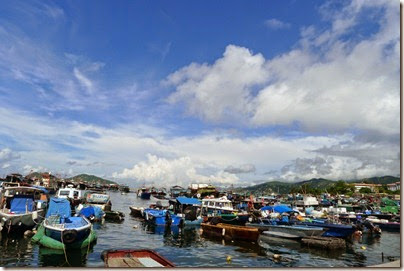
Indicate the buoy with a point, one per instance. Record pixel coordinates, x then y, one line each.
276 256
363 247
28 233
135 227
228 259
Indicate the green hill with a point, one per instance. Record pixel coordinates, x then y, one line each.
90 179
321 184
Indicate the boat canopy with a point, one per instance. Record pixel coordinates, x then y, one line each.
278 209
59 206
21 204
188 201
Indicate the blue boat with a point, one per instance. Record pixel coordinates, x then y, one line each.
331 229
144 193
189 209
61 226
159 217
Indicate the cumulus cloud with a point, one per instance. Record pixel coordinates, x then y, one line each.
276 24
222 90
168 172
326 82
247 168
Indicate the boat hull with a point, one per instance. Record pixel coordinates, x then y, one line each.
136 212
158 218
145 195
58 231
333 230
298 231
242 233
21 221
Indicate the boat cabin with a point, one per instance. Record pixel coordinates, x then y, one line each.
71 193
217 206
22 199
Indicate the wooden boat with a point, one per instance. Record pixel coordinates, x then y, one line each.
134 258
22 207
232 232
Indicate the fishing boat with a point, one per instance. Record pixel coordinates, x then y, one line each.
385 224
61 226
76 196
144 193
331 229
214 206
233 232
134 258
162 217
22 207
188 209
136 211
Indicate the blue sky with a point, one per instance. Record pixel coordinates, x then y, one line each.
229 92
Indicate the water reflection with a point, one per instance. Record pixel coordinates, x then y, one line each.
16 250
58 258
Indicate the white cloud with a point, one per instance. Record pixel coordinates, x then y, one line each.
84 81
276 24
324 84
246 168
169 172
219 91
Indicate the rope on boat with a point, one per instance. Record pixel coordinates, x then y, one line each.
89 242
64 249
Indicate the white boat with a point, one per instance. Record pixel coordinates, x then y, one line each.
307 201
22 207
216 206
77 196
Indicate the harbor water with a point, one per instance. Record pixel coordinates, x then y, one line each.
189 248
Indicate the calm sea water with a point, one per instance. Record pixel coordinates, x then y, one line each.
187 248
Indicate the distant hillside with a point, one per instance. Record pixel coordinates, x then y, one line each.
90 179
322 184
381 180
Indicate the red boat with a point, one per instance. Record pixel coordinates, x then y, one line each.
134 258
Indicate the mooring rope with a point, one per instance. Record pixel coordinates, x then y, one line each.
89 240
64 249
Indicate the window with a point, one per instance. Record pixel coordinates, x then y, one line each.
64 193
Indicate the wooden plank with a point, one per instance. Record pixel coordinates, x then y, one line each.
124 262
149 262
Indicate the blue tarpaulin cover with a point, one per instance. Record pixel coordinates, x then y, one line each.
92 210
20 205
74 222
59 206
185 200
277 208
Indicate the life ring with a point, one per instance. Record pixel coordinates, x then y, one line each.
198 195
69 236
